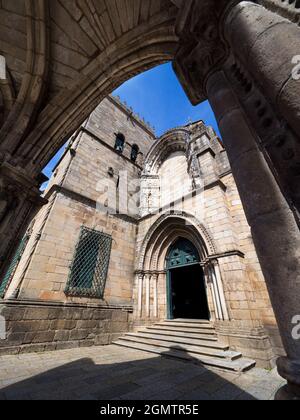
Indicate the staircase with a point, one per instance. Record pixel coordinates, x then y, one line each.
190 340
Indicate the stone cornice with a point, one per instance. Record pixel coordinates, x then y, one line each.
233 253
56 304
89 202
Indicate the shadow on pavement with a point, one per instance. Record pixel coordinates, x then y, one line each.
157 378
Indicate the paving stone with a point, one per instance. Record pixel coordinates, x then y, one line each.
104 373
228 392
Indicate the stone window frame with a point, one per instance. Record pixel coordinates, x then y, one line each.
89 268
120 142
135 150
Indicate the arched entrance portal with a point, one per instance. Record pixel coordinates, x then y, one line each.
186 289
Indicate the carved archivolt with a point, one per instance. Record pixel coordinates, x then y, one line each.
165 231
173 141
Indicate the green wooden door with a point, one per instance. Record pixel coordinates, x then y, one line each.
182 254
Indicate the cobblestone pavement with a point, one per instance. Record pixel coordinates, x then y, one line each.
112 373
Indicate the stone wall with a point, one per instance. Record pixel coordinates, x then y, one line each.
89 185
244 285
83 192
36 327
112 117
219 218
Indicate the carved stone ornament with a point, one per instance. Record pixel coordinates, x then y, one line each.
202 48
8 201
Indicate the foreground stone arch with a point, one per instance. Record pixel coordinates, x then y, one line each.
256 105
103 76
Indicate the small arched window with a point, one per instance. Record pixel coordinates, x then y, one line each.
134 153
120 143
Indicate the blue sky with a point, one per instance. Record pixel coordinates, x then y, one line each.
158 97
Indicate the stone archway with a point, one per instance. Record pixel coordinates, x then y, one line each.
150 292
205 243
260 106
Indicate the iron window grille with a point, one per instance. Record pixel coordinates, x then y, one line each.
89 269
13 266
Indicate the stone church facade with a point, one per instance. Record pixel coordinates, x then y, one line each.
132 226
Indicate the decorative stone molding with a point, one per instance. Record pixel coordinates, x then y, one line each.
183 217
173 141
202 48
194 140
278 142
286 8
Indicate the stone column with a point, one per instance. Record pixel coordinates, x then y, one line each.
211 297
148 290
155 295
274 228
215 294
269 47
140 278
162 295
220 290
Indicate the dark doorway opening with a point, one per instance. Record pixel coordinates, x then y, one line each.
188 298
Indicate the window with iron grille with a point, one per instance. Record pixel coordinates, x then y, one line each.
88 271
4 284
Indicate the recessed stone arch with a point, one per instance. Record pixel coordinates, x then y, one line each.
180 219
172 141
153 273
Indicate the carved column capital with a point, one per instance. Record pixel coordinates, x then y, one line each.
202 48
14 179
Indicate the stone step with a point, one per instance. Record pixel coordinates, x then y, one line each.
240 365
181 340
186 335
190 321
192 325
171 328
190 349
